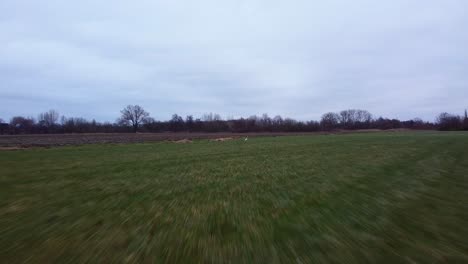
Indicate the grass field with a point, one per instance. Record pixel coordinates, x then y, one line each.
356 198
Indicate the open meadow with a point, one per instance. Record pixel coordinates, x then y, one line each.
387 197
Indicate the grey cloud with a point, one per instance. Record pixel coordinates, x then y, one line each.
90 58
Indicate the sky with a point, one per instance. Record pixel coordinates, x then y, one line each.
300 58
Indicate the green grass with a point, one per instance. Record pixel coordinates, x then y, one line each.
378 198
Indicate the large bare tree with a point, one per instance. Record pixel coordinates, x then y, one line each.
49 118
465 121
133 115
22 124
448 121
330 121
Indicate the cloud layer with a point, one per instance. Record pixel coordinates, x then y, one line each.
401 58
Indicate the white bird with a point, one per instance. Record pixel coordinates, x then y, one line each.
245 139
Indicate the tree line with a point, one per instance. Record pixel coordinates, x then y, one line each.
134 118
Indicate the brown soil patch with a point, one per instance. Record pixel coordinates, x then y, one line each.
11 148
222 139
182 141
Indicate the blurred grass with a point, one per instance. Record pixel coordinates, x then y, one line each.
377 197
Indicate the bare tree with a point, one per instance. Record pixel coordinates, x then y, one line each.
207 117
22 124
465 121
363 116
211 117
265 122
176 123
217 117
49 118
189 122
277 120
347 117
355 118
3 127
448 121
133 115
330 121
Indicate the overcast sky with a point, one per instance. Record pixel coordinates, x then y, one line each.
88 58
